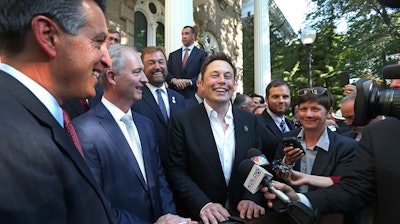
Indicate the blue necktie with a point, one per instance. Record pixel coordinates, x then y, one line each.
161 104
283 126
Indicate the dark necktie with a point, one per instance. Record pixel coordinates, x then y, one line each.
161 104
85 105
185 57
69 128
283 126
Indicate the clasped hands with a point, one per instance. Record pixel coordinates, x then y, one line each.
180 83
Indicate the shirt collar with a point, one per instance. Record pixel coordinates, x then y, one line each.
190 48
213 114
323 141
44 96
153 89
114 110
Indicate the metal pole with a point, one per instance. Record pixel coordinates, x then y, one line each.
309 59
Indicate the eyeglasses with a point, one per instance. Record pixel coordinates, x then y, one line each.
315 90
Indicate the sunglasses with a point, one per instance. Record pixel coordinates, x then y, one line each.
315 90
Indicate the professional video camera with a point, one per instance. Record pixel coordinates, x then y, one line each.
372 101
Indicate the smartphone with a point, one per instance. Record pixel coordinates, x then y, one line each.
292 141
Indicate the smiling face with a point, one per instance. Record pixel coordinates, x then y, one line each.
131 79
155 68
80 58
312 116
218 83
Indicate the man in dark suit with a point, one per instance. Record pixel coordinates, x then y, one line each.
278 97
198 96
184 64
155 69
207 143
48 57
124 160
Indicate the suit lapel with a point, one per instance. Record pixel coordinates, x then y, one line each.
43 116
149 99
323 156
204 136
271 125
115 133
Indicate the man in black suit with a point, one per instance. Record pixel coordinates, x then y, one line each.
49 56
155 69
278 97
184 64
207 143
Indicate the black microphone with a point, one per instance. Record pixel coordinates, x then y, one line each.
258 177
257 157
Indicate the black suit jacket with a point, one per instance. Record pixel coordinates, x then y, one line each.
44 179
272 136
190 71
374 176
195 173
148 107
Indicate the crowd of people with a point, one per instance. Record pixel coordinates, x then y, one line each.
96 132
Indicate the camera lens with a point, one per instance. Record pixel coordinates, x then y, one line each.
385 102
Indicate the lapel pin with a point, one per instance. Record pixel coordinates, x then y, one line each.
245 128
173 100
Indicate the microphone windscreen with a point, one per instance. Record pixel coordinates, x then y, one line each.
253 152
245 166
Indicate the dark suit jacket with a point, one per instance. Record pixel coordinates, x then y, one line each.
115 168
373 176
74 107
149 108
190 71
335 162
272 137
195 173
44 179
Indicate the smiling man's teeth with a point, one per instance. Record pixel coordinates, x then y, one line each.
220 90
96 74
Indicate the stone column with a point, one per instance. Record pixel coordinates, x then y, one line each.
178 13
262 60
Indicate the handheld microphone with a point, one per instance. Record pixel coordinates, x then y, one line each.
258 177
257 157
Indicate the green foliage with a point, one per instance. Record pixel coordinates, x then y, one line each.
372 32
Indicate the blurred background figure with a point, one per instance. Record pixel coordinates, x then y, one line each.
257 99
244 102
113 37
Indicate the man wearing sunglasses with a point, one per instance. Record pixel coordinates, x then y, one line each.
326 153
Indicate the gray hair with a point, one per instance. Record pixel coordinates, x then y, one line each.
16 16
116 52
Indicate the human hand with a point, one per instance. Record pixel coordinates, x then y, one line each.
349 89
292 154
178 83
174 219
248 209
282 187
213 213
294 178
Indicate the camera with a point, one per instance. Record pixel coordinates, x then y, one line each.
372 101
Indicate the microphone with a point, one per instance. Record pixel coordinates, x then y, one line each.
258 177
257 157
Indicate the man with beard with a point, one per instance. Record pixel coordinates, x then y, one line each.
158 102
277 96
